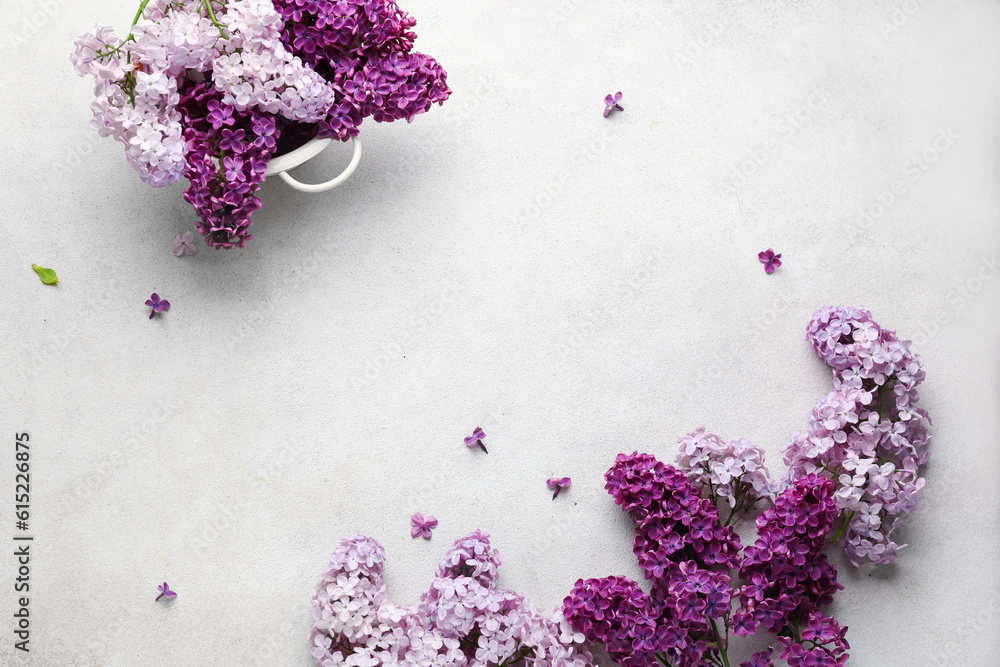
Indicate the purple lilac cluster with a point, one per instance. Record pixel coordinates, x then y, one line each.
730 472
789 577
462 620
253 72
227 157
686 552
868 433
364 49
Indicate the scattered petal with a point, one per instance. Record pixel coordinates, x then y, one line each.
769 259
422 526
184 243
158 305
165 592
558 484
476 439
611 102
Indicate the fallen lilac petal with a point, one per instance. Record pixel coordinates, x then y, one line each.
422 526
476 439
769 259
165 592
558 484
611 103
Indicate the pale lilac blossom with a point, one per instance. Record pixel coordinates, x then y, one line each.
355 624
867 434
184 243
557 484
476 440
422 526
165 592
611 103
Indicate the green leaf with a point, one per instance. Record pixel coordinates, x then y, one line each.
48 276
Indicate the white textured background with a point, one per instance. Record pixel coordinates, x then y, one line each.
320 381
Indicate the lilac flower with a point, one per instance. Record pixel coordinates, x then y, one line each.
275 66
558 484
266 134
789 573
462 618
867 434
730 471
683 548
156 304
234 169
827 646
422 526
165 592
611 102
219 114
232 142
761 659
770 260
476 439
184 243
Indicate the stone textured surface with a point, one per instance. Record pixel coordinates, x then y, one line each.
577 286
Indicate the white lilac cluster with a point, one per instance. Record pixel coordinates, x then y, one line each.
135 106
867 434
729 470
137 78
257 71
463 619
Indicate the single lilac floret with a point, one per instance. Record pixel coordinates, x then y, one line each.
611 103
184 243
422 526
769 259
476 439
165 592
557 484
158 305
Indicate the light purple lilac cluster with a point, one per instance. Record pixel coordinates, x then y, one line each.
868 433
463 618
728 471
686 552
205 89
789 577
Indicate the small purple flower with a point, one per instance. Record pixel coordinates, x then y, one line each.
266 135
219 114
157 304
184 243
761 659
769 259
476 439
558 484
691 607
744 623
611 103
165 592
717 605
234 168
422 526
232 141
